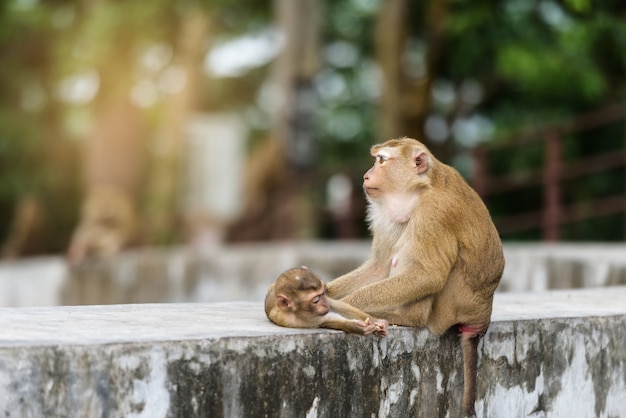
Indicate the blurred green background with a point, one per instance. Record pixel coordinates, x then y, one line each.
99 93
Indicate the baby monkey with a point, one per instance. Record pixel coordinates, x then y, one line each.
297 299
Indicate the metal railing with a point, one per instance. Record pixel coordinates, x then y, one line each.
551 213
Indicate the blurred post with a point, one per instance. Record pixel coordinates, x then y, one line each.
391 34
339 195
480 176
293 79
624 150
293 74
552 178
213 177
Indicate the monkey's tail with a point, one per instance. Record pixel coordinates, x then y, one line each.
469 344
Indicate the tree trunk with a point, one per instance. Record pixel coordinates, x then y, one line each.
113 176
287 209
406 101
164 180
391 36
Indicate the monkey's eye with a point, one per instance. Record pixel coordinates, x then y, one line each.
381 159
316 299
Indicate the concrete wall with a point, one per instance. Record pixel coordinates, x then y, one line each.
547 354
243 272
563 266
556 354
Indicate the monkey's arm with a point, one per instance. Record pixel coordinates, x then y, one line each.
351 326
344 285
370 271
361 325
347 310
365 323
424 273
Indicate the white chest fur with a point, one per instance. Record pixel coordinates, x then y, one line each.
391 213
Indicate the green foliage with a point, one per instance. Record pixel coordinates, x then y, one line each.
532 61
347 86
541 62
544 75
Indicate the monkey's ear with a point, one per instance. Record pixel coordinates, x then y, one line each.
421 162
283 302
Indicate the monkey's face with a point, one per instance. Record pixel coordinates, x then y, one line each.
316 302
398 166
312 292
388 165
373 179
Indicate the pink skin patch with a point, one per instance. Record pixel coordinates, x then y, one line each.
469 331
394 261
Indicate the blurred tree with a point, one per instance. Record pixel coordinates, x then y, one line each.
407 90
115 79
456 73
116 143
281 169
162 191
460 73
37 161
519 65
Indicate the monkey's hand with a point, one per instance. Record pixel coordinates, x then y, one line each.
380 327
377 327
366 327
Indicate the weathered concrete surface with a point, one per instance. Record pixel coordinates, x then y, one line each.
555 354
243 272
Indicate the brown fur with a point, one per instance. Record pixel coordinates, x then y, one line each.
436 256
298 300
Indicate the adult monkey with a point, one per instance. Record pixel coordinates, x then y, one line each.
436 256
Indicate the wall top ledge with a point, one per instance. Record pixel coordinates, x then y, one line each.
146 323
